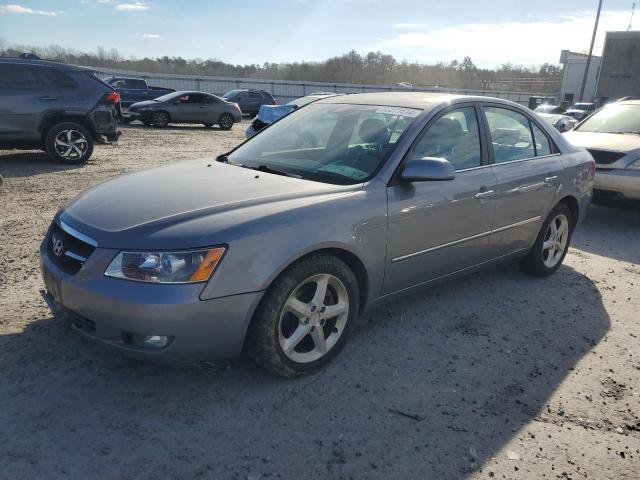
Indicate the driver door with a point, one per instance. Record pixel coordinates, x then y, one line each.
441 227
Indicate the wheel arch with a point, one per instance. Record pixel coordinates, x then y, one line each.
572 203
55 119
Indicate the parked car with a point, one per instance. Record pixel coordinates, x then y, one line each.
580 110
549 109
612 136
250 100
562 123
61 109
187 107
271 113
133 90
278 249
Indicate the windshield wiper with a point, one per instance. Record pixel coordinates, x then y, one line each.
626 133
268 169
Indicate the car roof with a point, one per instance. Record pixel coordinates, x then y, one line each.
191 92
627 102
421 100
29 61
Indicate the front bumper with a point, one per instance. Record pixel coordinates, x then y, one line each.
111 311
620 183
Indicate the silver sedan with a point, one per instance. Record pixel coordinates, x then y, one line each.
279 245
612 136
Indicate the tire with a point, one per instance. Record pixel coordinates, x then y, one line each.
208 125
160 119
225 122
538 261
69 143
287 343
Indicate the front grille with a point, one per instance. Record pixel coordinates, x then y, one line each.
68 251
605 157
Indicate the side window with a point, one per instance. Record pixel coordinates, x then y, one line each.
510 135
196 98
454 136
17 77
543 147
53 77
255 95
211 99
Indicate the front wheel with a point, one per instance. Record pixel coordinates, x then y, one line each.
69 143
305 317
552 243
160 119
225 121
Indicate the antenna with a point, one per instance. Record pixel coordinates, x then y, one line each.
633 9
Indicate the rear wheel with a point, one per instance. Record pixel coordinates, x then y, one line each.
225 121
305 317
552 243
160 119
69 143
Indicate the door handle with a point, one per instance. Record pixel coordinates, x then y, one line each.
551 180
485 194
47 98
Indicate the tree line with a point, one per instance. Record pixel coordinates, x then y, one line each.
374 68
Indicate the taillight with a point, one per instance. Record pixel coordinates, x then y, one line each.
273 101
237 106
113 97
593 168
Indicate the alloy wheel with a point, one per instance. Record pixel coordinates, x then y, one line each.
555 240
226 122
313 318
71 144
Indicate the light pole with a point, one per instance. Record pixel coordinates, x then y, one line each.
593 39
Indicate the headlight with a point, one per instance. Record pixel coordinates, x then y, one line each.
187 266
635 165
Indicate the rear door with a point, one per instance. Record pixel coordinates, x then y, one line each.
440 227
527 167
25 100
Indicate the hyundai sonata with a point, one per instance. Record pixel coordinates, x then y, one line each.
277 246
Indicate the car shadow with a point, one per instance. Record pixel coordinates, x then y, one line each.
612 232
431 386
21 163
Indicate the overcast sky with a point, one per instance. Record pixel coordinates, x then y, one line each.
491 32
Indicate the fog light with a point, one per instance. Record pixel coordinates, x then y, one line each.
151 341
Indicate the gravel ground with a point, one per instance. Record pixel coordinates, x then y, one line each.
496 376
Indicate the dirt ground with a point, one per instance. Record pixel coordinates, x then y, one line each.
495 376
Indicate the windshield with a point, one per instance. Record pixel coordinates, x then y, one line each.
231 93
331 143
614 119
168 96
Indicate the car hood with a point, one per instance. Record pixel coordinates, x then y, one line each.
614 142
184 204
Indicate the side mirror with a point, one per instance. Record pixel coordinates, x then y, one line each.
428 168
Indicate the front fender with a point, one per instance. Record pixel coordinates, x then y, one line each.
356 224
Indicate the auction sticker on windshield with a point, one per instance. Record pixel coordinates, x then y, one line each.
405 112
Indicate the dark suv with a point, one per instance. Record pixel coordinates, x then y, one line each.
250 100
61 109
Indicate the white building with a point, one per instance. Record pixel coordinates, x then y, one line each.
574 65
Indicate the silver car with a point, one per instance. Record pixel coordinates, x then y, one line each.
612 136
277 247
187 107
